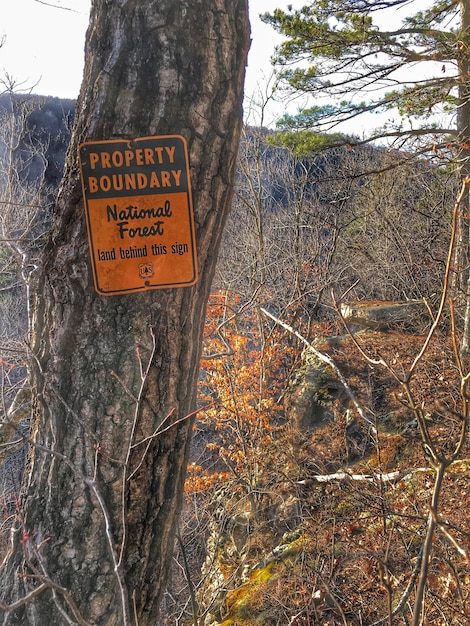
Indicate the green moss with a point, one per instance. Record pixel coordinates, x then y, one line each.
241 601
247 603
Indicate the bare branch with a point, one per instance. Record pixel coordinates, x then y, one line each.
22 601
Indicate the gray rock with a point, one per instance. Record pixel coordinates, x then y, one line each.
310 392
407 315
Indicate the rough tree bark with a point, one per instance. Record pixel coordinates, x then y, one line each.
87 550
461 277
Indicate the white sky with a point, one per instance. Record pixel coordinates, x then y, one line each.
43 52
44 45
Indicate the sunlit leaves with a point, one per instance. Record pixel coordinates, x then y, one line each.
245 371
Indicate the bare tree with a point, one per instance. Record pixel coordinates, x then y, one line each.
24 218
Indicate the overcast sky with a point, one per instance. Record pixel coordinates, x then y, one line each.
44 45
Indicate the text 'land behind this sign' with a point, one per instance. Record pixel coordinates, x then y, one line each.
139 214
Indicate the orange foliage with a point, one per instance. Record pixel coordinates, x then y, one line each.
245 371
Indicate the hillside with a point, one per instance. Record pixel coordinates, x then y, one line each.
307 500
34 136
330 527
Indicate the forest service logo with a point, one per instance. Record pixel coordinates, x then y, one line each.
146 270
139 214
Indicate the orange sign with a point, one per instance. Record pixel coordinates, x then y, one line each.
139 214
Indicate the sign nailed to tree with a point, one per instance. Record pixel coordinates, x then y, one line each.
139 214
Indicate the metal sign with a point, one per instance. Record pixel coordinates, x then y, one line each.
139 214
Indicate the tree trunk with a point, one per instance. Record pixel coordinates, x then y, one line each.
94 537
461 276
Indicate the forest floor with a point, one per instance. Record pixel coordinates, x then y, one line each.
333 528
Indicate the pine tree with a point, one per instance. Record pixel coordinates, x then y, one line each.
361 57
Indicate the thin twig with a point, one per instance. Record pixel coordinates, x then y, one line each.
445 286
134 604
187 575
229 350
138 400
24 600
159 431
442 527
124 386
117 563
56 6
108 529
409 588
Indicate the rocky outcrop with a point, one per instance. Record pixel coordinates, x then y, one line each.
310 392
227 551
241 556
409 315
